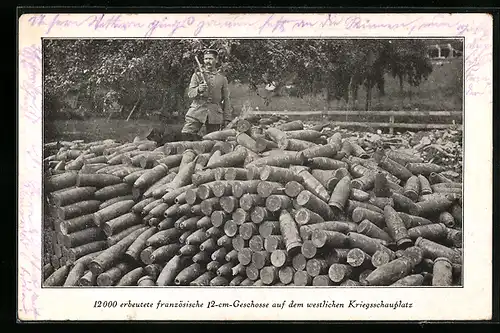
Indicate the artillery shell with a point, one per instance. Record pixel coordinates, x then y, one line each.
240 216
203 280
256 243
315 267
299 262
245 256
456 212
246 282
226 269
248 201
359 214
357 258
237 242
381 202
435 178
424 168
412 221
243 187
305 216
447 219
252 272
219 281
77 209
185 234
412 188
274 242
269 275
267 188
269 228
389 273
403 158
340 194
228 203
285 275
434 250
358 195
365 243
230 228
261 259
352 204
313 203
278 174
365 182
247 230
454 237
188 274
231 256
237 280
369 229
188 250
425 186
395 168
69 196
344 227
279 258
290 232
396 228
301 278
380 185
442 274
350 283
403 203
410 280
326 238
435 231
339 272
218 218
275 202
213 266
293 188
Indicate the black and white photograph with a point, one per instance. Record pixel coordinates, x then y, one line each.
235 162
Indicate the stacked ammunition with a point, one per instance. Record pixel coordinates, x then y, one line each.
250 206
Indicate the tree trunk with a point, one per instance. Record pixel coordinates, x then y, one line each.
368 96
350 94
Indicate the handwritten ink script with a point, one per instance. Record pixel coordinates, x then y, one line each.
30 59
478 50
29 242
274 23
30 62
479 54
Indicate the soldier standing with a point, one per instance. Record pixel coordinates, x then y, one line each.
210 105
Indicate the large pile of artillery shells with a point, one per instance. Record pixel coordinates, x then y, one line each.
250 205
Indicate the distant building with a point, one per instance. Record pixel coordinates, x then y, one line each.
442 51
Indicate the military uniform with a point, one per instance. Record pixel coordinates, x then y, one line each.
212 107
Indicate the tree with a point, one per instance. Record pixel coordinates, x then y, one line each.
154 74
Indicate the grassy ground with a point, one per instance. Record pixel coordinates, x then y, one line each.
100 128
442 91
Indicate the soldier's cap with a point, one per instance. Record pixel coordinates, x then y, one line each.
211 51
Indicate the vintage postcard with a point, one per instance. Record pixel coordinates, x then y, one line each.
255 166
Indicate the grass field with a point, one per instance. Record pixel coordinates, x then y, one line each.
441 92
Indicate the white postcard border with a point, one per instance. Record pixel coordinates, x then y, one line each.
472 302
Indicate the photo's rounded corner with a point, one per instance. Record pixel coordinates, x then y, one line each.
24 18
23 318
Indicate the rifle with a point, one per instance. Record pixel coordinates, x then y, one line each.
203 76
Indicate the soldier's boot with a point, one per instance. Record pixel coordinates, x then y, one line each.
212 127
189 137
